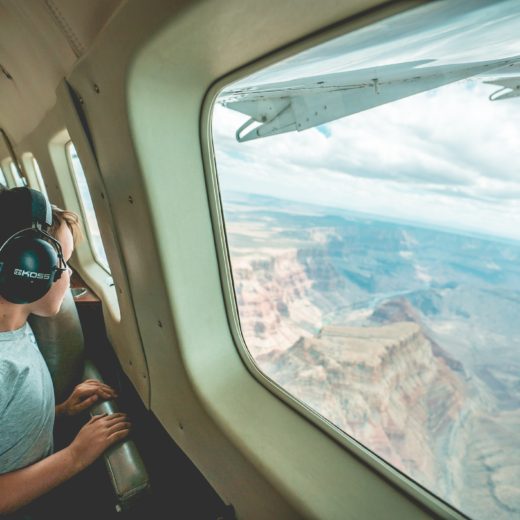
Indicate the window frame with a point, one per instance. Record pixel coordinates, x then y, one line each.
38 175
18 178
88 231
34 174
402 481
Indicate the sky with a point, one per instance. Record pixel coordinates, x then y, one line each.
447 157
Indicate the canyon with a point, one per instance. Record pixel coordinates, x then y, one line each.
404 337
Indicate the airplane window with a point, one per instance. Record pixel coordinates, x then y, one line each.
3 180
39 176
93 232
371 197
18 179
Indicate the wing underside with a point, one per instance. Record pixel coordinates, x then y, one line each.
304 103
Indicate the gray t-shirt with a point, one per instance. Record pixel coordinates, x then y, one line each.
26 401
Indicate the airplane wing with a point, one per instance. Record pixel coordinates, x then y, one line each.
312 101
510 88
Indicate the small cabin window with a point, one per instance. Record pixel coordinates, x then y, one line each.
3 180
370 193
87 207
39 176
19 179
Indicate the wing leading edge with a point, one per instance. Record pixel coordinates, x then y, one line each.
312 101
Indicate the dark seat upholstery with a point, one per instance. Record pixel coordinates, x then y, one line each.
61 342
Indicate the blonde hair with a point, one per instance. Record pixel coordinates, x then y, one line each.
60 216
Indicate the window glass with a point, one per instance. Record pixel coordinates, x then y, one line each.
39 176
371 198
18 179
3 180
89 214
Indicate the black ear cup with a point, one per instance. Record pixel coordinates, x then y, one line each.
30 259
27 268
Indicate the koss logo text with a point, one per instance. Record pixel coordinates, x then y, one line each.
32 274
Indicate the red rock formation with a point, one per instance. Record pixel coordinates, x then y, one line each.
382 385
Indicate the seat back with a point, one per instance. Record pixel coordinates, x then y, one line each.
61 343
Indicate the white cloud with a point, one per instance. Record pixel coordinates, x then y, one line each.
448 157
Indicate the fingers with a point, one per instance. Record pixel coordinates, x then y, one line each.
108 419
118 426
111 425
96 418
115 418
81 394
95 382
102 386
87 403
117 436
90 386
105 394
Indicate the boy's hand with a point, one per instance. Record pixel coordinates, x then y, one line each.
85 395
96 436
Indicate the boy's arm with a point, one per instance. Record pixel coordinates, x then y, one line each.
20 487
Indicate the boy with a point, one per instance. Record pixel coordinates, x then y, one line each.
28 468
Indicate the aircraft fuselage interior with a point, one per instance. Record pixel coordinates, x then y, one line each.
300 267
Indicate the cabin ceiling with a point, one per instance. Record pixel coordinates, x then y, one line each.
40 41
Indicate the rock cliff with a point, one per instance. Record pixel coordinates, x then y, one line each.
272 292
382 385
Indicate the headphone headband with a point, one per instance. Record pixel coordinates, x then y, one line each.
40 208
22 208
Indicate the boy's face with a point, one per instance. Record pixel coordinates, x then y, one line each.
50 304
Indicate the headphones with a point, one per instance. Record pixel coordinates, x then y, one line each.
31 260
